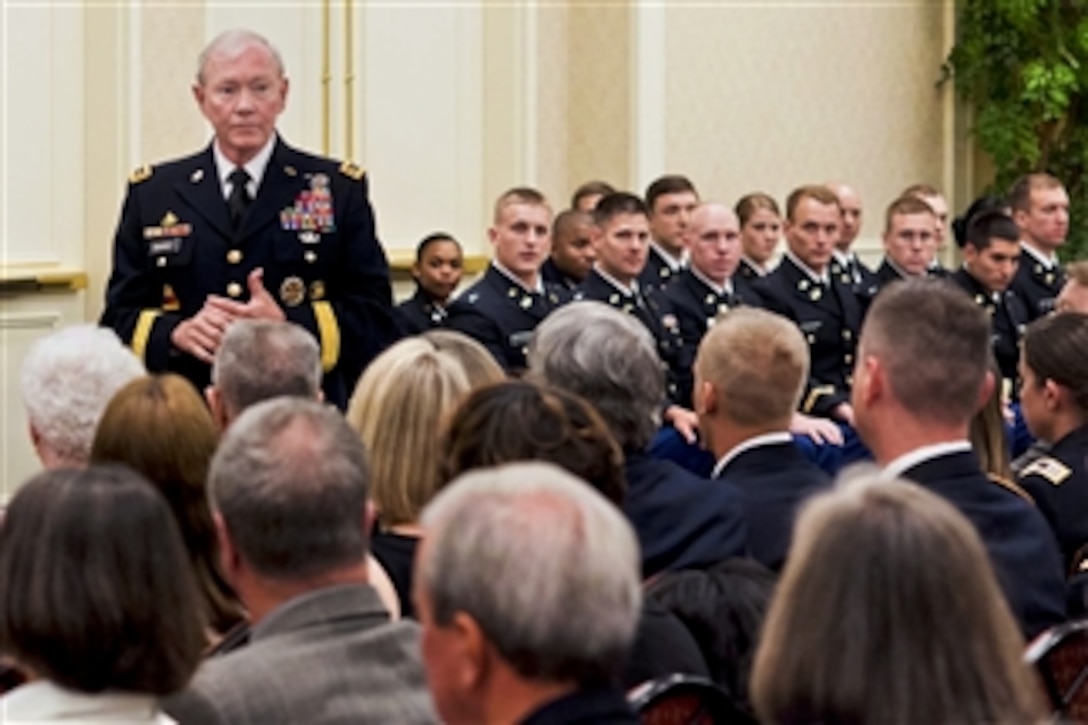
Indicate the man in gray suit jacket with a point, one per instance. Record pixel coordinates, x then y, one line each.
288 487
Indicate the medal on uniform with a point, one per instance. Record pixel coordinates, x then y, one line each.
292 291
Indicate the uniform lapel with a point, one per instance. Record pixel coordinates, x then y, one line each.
201 190
278 188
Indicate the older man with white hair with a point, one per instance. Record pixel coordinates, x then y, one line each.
528 593
67 380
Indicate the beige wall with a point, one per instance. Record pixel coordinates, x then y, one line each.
770 97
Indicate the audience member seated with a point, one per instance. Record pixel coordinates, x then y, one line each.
910 243
760 232
67 379
1040 208
97 601
1054 399
437 272
749 374
844 260
990 257
921 375
480 368
609 359
936 201
502 308
528 593
288 486
587 195
888 612
723 608
158 426
826 309
708 287
397 410
620 235
669 202
520 421
572 250
258 360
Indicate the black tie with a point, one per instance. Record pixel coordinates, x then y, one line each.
239 200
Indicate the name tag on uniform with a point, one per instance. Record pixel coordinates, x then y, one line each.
164 246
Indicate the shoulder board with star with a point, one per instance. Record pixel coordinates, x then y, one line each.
1049 468
143 173
352 170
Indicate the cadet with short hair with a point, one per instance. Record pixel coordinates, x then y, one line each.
501 310
1040 208
922 372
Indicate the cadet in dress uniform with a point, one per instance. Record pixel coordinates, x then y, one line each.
709 286
248 227
502 309
760 232
621 238
1040 208
572 250
844 259
989 261
670 200
1055 405
910 229
823 305
437 272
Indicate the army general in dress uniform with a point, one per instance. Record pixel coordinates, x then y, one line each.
248 227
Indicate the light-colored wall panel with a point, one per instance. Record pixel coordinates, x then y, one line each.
600 99
769 96
41 217
423 142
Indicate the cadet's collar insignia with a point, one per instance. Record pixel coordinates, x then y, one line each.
628 308
141 174
846 279
512 292
815 294
1049 278
526 302
169 219
290 171
312 210
554 298
1038 268
317 290
709 299
292 291
196 176
352 170
723 308
803 285
665 272
1051 469
613 299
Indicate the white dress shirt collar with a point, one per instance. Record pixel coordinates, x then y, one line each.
255 167
767 439
920 455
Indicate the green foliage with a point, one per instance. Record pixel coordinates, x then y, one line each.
1023 65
